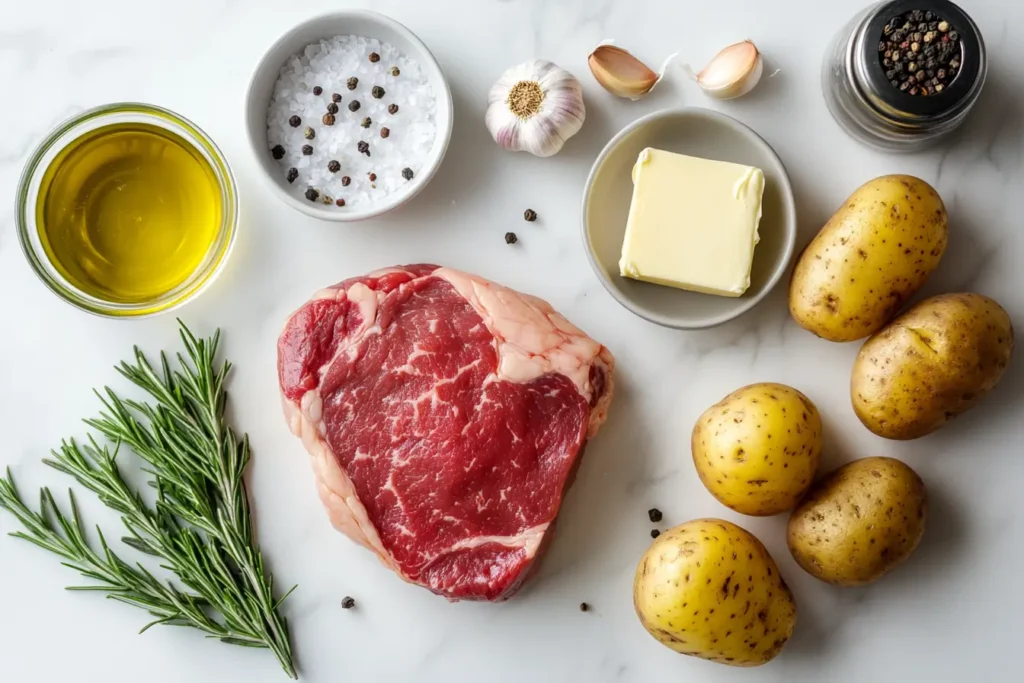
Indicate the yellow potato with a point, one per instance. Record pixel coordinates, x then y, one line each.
710 589
758 448
930 364
876 251
859 522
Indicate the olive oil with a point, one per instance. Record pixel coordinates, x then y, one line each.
128 212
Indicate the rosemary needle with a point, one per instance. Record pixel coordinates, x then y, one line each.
199 525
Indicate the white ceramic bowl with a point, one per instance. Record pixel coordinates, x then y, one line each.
360 23
606 199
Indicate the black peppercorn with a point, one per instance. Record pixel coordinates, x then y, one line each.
529 215
294 122
584 607
332 108
333 166
309 134
372 176
278 151
311 194
307 150
510 238
352 83
364 148
345 180
377 92
336 97
654 514
328 119
655 533
348 603
353 105
340 202
365 123
293 173
407 173
374 57
392 108
384 132
317 90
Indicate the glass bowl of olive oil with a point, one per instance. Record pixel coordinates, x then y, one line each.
127 210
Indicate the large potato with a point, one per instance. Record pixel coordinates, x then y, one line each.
876 251
710 589
859 522
930 364
758 448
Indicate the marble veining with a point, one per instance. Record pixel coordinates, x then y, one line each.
951 614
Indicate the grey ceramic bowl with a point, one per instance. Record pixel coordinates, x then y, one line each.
354 22
696 132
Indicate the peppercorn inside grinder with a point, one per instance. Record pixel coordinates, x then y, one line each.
904 73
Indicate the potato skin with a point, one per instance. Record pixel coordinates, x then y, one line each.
931 364
709 588
859 522
871 256
757 449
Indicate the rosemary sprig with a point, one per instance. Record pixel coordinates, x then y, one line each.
199 526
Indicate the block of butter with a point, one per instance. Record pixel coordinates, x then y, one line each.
692 223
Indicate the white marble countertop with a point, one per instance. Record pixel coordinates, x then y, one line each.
952 613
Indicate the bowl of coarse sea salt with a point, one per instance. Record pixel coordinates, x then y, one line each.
349 116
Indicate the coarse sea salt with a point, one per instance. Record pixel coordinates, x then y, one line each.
329 64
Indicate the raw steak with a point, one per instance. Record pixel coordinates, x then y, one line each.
446 416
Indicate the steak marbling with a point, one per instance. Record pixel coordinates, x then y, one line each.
445 416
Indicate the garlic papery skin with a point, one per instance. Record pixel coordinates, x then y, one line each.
620 73
535 107
732 72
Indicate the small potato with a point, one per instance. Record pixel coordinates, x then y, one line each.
708 588
876 251
931 364
758 448
859 522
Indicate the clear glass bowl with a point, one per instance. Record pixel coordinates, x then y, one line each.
28 194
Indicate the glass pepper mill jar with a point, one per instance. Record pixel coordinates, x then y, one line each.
903 73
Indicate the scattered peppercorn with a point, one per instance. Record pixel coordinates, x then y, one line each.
345 180
353 105
311 194
384 132
309 134
340 202
655 533
333 166
374 57
365 123
394 71
584 607
377 92
332 108
529 215
352 83
510 238
347 602
372 176
317 90
392 108
294 122
920 53
293 173
654 514
278 151
336 97
364 148
328 119
307 150
407 173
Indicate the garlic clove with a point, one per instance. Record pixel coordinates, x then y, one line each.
620 73
732 72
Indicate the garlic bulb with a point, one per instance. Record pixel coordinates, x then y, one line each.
732 72
535 107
